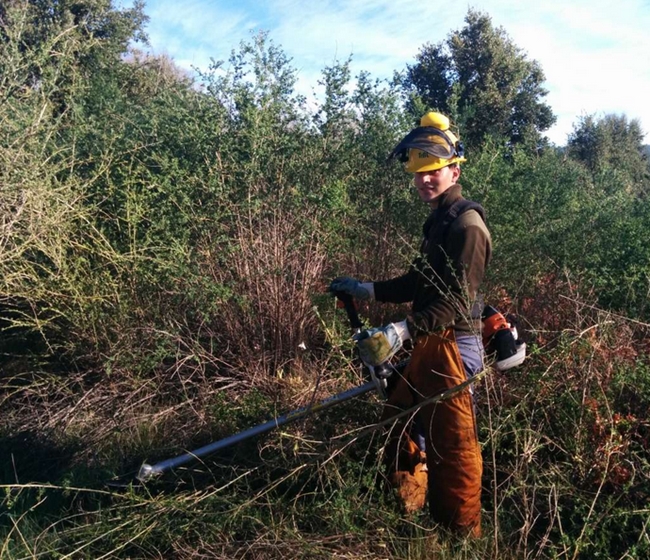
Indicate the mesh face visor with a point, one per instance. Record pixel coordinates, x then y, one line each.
427 139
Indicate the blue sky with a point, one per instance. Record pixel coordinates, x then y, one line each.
595 53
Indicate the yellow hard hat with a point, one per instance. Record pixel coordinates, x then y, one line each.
431 146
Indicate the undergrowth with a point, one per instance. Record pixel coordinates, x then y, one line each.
565 440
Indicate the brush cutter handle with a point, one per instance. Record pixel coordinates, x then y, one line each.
347 301
380 373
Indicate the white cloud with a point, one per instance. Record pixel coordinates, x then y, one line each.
594 53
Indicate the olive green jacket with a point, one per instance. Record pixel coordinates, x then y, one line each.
443 281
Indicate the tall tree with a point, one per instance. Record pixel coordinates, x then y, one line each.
113 28
94 32
484 81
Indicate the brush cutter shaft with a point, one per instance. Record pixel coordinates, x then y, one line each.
148 471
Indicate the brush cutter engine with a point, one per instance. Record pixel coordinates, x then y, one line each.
501 340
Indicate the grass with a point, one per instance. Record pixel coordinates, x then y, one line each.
565 453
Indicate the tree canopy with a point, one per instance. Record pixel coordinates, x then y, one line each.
484 81
612 142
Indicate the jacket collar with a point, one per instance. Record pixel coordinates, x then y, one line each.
445 200
451 195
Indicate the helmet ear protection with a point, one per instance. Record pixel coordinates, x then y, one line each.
460 149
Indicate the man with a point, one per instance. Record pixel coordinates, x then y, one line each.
442 284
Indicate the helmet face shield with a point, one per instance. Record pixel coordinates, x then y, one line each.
426 139
427 148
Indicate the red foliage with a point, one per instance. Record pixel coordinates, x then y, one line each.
584 354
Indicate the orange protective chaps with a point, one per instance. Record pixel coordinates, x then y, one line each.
453 455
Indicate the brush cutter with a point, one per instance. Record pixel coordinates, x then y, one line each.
378 382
